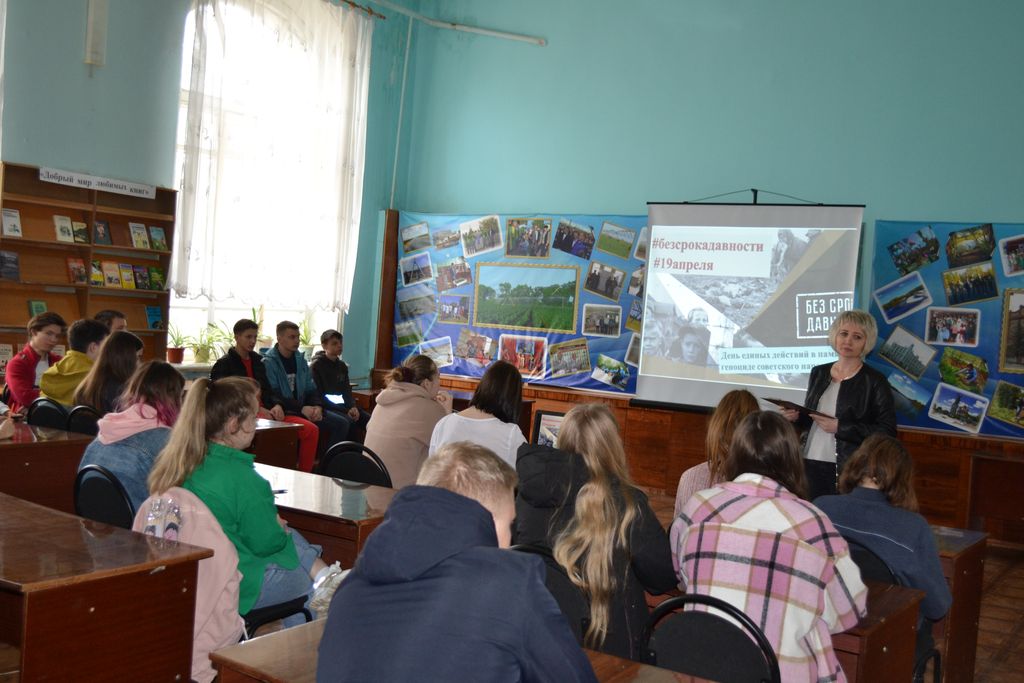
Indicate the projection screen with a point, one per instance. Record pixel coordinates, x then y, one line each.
742 296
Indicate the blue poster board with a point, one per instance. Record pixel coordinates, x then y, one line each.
558 295
949 300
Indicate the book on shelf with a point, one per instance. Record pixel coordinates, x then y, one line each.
96 274
76 271
157 238
141 274
36 306
6 353
101 232
10 267
140 238
127 276
155 317
12 223
81 231
111 274
157 278
62 226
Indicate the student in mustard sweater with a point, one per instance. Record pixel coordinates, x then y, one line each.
61 380
205 456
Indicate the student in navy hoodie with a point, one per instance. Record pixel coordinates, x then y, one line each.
435 597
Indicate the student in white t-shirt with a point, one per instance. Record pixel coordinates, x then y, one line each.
492 418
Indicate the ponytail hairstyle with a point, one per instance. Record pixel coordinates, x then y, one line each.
604 511
415 370
156 384
117 359
208 407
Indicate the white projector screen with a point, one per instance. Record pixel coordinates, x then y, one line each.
741 296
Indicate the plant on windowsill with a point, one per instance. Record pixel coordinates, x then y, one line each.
306 336
204 344
175 345
263 341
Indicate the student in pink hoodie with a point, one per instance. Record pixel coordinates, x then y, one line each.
129 441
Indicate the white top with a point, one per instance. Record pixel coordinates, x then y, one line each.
821 445
42 366
501 437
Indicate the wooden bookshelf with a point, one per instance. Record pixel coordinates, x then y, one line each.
43 272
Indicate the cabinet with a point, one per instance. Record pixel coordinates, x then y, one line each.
44 262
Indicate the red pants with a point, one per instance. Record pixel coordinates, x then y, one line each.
308 436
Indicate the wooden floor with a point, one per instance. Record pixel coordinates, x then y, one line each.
1001 631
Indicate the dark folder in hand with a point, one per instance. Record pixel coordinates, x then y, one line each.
783 403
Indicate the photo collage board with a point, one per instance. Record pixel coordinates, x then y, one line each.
949 302
560 296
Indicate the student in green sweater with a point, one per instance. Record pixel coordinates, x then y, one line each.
204 455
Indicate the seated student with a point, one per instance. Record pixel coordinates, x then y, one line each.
404 418
433 597
204 455
492 418
27 366
330 374
241 360
60 380
129 440
879 511
733 407
114 320
579 501
117 360
754 543
290 379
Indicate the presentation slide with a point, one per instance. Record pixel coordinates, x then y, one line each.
742 296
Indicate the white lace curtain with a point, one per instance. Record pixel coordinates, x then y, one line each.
271 142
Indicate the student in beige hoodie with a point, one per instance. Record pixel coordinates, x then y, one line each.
404 418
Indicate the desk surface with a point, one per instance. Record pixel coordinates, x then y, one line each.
43 548
326 496
289 656
25 434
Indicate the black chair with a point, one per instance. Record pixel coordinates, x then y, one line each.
45 412
258 616
570 598
729 649
101 497
354 462
873 568
83 420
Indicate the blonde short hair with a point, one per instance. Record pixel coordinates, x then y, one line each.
861 319
469 470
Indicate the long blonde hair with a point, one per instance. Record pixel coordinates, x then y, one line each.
601 519
208 407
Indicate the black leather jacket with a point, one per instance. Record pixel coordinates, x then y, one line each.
864 406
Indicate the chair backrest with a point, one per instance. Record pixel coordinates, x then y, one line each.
872 567
704 644
83 420
101 497
570 598
45 412
355 462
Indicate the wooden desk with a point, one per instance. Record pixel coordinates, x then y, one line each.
276 443
39 464
332 513
881 646
367 399
93 602
962 554
290 656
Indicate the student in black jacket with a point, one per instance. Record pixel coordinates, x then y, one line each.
330 374
582 528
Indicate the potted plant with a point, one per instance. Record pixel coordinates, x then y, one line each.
204 343
263 341
306 336
175 345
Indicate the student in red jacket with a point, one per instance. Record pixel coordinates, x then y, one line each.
28 365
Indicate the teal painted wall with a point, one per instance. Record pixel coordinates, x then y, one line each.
118 122
910 107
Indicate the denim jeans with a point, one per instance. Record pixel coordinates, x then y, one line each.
282 585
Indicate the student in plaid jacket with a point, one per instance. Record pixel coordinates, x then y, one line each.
755 543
